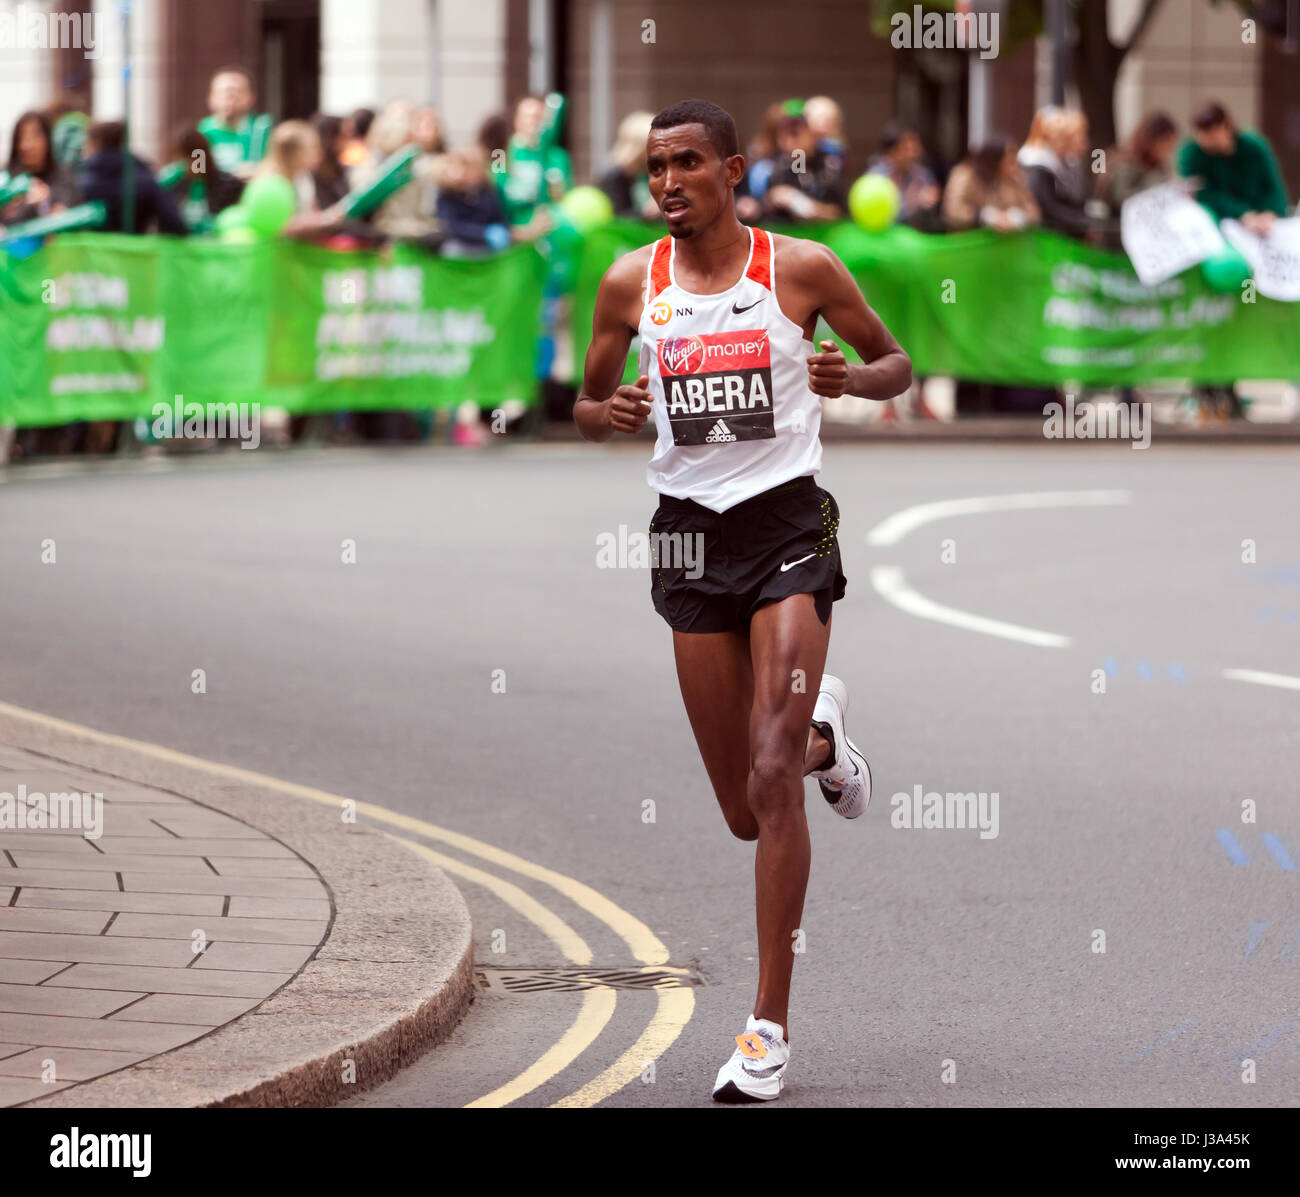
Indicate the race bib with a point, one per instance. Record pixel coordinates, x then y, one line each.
718 387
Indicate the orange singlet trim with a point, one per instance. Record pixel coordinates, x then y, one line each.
760 266
659 266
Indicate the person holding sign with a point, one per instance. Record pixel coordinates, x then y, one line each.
1239 177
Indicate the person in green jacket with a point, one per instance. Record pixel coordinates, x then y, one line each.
1238 175
537 169
237 134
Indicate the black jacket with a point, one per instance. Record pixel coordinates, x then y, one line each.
100 178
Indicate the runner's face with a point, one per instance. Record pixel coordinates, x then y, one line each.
688 181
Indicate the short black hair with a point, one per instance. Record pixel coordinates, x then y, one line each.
1210 116
893 133
107 136
717 122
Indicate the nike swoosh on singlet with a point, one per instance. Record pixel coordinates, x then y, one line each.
737 311
792 564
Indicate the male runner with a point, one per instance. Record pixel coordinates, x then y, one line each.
726 316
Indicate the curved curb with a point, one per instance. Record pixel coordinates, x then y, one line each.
392 977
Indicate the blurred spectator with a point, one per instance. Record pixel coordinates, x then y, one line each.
68 124
469 205
409 214
1052 159
807 184
761 157
987 190
494 138
626 181
902 160
426 129
1236 170
537 169
100 178
238 136
826 121
295 154
200 188
331 176
356 128
31 153
1145 161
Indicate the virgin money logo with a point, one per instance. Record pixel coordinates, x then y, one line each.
681 355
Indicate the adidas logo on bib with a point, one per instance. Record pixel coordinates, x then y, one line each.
718 434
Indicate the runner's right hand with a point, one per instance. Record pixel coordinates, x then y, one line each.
628 407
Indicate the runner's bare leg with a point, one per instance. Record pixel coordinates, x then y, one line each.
716 676
788 646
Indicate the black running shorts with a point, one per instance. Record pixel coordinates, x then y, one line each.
778 543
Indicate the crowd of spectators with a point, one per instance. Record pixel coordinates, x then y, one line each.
479 198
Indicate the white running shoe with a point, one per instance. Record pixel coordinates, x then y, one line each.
846 785
756 1070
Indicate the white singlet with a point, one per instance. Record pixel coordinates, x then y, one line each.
729 379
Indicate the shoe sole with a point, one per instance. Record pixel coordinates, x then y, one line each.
732 1095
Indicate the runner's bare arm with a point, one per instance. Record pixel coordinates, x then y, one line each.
885 370
603 407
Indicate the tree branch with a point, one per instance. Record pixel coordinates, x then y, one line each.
1148 11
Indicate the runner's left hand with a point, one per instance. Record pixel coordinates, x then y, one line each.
828 372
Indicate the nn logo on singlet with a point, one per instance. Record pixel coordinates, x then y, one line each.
719 433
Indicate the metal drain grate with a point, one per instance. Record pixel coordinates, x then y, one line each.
572 980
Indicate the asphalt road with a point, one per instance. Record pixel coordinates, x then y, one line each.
929 953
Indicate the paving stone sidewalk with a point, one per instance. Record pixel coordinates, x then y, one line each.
143 921
171 921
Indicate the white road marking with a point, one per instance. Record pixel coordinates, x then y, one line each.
891 586
892 530
1281 680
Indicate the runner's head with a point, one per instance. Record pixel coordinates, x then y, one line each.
694 164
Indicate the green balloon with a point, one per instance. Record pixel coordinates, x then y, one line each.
588 208
270 201
873 202
234 217
1225 271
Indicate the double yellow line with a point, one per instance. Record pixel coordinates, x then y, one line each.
674 1006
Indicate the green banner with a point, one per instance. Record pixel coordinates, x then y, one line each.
96 327
1028 308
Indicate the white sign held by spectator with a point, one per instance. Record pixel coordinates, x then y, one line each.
1164 232
1274 260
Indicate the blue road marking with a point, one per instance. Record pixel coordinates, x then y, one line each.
1177 673
1256 934
1145 671
1278 849
1110 667
1231 847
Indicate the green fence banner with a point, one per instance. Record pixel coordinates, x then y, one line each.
100 327
1029 308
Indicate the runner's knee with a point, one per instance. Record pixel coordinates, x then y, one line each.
776 778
